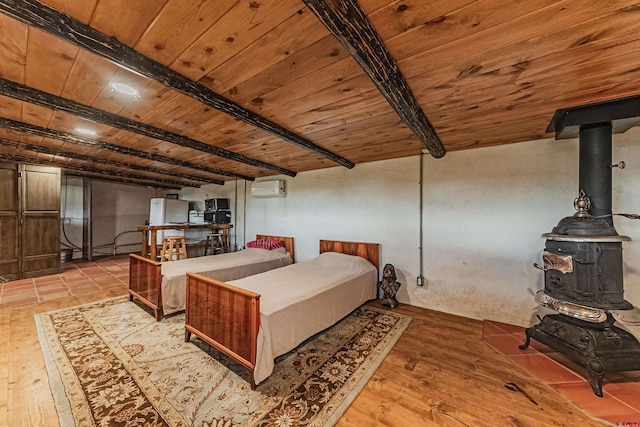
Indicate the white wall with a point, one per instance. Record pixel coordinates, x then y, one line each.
116 208
484 213
374 202
486 210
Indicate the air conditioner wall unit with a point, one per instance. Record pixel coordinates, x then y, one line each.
264 189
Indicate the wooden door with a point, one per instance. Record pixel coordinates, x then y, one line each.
40 234
9 222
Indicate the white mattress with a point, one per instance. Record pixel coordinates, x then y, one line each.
224 267
303 299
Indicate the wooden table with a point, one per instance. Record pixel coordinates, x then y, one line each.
150 233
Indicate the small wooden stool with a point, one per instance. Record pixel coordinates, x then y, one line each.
173 246
214 244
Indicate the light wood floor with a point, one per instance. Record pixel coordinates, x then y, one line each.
440 373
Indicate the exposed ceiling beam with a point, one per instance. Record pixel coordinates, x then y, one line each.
94 143
4 142
350 25
130 178
117 180
45 99
73 31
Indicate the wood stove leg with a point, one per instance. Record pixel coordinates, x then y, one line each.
596 384
527 341
596 374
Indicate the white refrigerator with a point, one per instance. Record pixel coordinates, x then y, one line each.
166 212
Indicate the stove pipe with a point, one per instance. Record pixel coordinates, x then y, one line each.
595 168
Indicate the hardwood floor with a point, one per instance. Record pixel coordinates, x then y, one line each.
440 373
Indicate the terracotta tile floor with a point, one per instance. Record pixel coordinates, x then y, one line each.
75 278
620 404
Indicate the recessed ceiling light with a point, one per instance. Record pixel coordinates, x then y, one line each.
87 132
124 89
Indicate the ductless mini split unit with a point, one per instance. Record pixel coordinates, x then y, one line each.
264 189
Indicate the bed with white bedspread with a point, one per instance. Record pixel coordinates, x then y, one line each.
257 318
162 286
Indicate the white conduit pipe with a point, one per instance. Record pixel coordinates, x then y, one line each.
420 279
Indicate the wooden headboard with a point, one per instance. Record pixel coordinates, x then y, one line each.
288 243
368 251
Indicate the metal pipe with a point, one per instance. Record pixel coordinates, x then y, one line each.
118 236
420 279
244 218
235 217
87 219
595 168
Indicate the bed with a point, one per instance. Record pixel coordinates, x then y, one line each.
162 286
255 319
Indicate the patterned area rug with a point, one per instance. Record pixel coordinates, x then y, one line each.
111 364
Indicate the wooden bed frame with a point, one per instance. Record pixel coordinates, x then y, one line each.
145 277
228 318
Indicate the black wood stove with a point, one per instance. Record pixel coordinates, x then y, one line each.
582 260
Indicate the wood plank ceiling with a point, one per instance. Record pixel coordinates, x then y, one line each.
239 89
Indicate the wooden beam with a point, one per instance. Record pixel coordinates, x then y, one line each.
75 156
73 31
101 174
95 143
47 100
116 180
350 25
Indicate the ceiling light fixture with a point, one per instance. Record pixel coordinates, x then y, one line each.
124 89
86 132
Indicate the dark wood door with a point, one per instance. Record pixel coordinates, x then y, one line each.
40 234
9 222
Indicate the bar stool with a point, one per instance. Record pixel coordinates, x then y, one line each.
214 244
173 246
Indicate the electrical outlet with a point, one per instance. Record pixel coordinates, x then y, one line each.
420 281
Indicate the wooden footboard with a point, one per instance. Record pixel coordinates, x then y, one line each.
225 317
145 281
